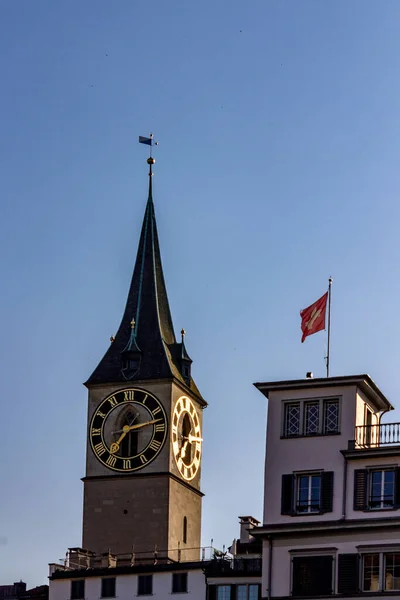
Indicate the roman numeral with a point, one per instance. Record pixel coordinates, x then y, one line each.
96 431
129 396
100 449
155 445
160 427
126 464
111 460
156 411
144 399
143 459
100 414
113 401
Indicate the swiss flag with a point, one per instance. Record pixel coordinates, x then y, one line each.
313 317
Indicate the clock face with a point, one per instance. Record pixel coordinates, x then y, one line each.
186 438
128 430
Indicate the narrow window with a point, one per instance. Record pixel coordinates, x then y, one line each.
108 587
292 419
371 572
145 585
392 572
184 533
224 592
254 591
129 444
312 418
308 493
241 592
331 416
179 583
78 589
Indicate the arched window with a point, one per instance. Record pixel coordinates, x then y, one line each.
184 533
129 445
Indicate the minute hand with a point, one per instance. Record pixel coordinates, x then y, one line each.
140 425
193 438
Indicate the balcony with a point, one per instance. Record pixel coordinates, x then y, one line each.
225 567
376 436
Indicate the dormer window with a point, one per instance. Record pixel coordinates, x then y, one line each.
130 364
186 371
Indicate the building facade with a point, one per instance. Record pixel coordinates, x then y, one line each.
331 521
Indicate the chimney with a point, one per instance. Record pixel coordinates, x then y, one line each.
309 375
246 524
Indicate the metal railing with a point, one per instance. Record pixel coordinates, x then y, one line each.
373 436
233 566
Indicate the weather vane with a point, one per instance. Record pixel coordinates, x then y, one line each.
149 141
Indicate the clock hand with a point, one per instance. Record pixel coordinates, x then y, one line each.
126 429
182 452
193 438
140 425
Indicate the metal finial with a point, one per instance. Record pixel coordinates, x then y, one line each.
183 333
112 339
133 324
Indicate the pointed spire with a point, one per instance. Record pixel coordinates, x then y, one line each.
145 346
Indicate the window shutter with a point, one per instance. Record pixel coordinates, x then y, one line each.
312 575
287 494
360 489
397 488
233 592
212 592
327 491
348 574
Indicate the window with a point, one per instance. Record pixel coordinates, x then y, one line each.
307 493
145 585
376 489
381 572
179 583
311 417
382 489
78 589
292 419
223 592
184 532
312 575
247 591
108 587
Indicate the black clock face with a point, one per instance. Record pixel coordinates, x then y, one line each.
128 430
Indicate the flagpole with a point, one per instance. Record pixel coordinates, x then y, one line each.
329 326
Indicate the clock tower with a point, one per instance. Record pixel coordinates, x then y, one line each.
144 436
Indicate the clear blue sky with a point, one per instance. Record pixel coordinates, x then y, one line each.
278 165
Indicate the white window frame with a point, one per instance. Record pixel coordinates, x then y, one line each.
382 568
247 586
370 477
322 401
308 474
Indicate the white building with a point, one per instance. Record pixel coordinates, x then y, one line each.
332 490
220 575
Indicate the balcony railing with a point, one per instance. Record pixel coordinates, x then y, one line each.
234 566
373 436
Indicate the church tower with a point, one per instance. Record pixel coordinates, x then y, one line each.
144 436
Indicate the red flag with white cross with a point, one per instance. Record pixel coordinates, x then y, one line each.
313 317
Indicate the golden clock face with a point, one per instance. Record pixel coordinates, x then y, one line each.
186 438
128 430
